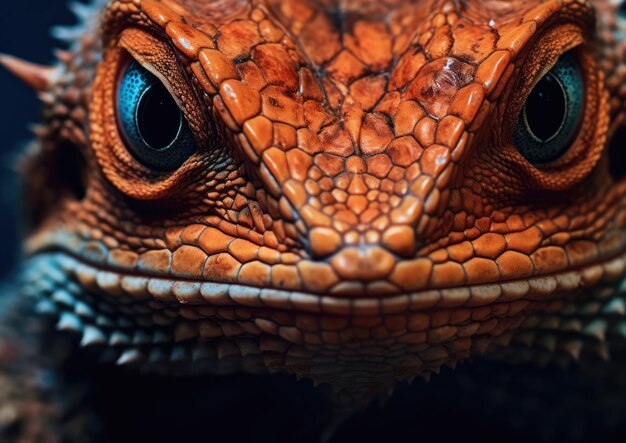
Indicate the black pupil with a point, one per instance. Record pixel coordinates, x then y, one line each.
545 108
158 117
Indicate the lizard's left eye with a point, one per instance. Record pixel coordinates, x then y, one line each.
552 113
154 128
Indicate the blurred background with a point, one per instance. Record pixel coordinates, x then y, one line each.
24 32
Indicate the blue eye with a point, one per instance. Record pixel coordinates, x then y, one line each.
551 116
154 128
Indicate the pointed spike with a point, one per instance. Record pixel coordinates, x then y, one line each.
119 338
572 325
69 322
101 320
93 336
130 357
615 306
550 322
203 352
141 338
40 131
67 34
248 347
38 77
82 11
480 344
599 349
157 355
63 55
179 355
46 307
451 364
63 297
83 309
56 274
571 348
31 292
532 322
45 286
597 329
46 98
590 308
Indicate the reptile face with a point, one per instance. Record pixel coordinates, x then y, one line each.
356 193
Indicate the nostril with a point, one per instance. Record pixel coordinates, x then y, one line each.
617 154
363 263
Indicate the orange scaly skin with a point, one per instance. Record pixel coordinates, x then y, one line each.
356 212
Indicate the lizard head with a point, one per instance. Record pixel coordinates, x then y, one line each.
353 192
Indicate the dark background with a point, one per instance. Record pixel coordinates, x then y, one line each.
24 32
477 403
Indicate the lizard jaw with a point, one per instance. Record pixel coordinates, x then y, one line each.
173 290
222 327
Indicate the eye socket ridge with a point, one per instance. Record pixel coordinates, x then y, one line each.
551 116
152 125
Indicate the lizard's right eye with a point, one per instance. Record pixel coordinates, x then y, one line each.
154 128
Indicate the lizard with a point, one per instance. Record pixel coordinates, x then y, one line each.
356 192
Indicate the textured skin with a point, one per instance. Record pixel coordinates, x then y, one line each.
356 212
